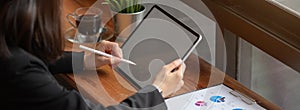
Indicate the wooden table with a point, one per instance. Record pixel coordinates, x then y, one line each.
108 87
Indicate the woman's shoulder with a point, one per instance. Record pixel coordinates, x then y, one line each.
19 60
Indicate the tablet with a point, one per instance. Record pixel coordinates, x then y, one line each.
159 39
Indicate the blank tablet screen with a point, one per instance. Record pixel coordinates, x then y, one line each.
158 40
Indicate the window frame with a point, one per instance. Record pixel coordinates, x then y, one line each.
264 25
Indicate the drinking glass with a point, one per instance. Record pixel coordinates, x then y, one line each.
88 24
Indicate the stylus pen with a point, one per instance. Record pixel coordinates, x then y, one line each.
104 54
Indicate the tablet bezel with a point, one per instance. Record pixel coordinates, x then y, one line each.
186 55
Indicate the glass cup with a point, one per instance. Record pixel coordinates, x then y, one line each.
88 24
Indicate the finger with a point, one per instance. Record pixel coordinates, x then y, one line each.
101 46
104 46
115 61
180 84
181 70
107 45
117 51
112 48
173 65
178 87
103 60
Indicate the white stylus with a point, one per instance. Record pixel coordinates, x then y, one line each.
104 54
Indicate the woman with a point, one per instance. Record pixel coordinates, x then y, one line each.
31 51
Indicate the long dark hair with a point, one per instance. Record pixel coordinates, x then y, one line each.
33 25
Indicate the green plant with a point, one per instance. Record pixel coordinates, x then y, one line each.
125 6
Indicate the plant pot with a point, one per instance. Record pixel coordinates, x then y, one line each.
125 23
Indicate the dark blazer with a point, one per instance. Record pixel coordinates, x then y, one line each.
27 83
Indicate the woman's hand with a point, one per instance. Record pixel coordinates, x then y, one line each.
92 61
170 82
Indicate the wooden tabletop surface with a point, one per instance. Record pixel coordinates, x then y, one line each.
107 87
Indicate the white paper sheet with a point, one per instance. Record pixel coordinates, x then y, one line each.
210 99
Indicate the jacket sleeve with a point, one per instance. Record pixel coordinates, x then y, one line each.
33 87
147 98
65 63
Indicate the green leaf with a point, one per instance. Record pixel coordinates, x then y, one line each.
112 6
128 5
105 3
123 5
135 6
117 5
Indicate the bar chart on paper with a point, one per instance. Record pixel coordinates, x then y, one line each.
218 97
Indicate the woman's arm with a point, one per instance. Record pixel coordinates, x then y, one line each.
32 87
71 62
148 98
65 63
